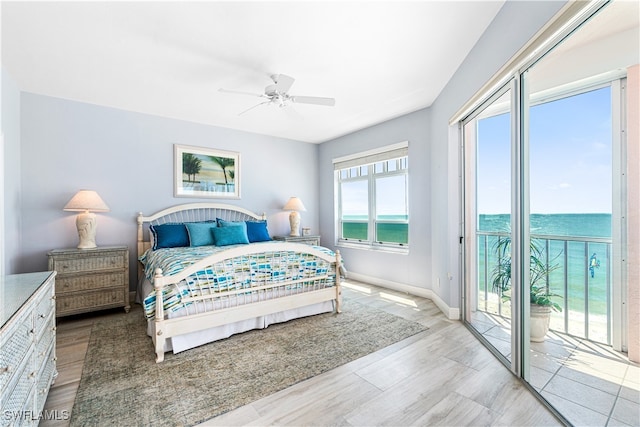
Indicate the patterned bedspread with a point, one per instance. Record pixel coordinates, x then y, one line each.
243 273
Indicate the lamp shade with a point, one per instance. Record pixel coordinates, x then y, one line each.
295 204
86 200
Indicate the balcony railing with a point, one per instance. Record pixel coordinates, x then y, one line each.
582 279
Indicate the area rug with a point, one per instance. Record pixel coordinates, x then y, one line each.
122 385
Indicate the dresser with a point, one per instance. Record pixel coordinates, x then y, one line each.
28 346
308 240
90 279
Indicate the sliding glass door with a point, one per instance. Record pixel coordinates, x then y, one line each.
544 218
574 194
488 156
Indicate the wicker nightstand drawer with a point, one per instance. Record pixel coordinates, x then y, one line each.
90 301
307 240
90 279
84 282
71 264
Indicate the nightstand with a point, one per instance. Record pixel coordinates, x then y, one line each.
90 279
309 239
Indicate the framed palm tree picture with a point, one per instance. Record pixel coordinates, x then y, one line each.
206 172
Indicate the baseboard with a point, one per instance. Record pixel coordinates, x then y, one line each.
452 313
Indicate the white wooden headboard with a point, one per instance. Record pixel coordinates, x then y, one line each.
191 212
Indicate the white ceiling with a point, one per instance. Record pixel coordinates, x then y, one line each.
378 59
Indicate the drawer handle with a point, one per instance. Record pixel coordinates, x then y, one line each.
5 370
53 297
32 375
42 316
55 328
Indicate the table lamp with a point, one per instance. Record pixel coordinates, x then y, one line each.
86 202
294 205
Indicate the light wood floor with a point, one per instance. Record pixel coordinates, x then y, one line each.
442 376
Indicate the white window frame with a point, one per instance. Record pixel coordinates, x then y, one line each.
365 162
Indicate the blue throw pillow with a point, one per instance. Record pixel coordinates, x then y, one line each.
200 233
257 231
224 223
169 236
234 235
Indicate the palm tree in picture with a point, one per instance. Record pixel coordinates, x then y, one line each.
191 166
225 163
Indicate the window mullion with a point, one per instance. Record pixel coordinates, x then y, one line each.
372 204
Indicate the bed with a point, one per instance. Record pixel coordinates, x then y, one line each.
221 282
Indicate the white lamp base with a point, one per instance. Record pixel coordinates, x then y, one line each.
86 224
294 221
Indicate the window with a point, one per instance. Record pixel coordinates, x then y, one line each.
372 198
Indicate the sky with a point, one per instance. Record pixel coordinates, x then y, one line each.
570 157
390 197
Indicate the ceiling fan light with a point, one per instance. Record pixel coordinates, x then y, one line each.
270 90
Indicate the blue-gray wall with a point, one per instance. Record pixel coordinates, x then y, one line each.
11 196
128 159
434 200
389 267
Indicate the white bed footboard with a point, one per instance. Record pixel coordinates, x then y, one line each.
208 309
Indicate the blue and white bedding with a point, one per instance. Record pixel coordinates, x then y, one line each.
239 273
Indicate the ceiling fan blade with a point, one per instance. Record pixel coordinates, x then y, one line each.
239 92
255 106
283 82
292 113
313 100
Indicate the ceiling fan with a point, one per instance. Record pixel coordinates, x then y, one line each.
278 94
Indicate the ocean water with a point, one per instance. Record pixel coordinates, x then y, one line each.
387 228
571 249
575 225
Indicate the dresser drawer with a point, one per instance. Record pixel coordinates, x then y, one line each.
45 378
17 397
43 312
64 265
79 302
86 282
45 340
14 350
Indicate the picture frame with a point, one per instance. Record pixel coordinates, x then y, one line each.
206 172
